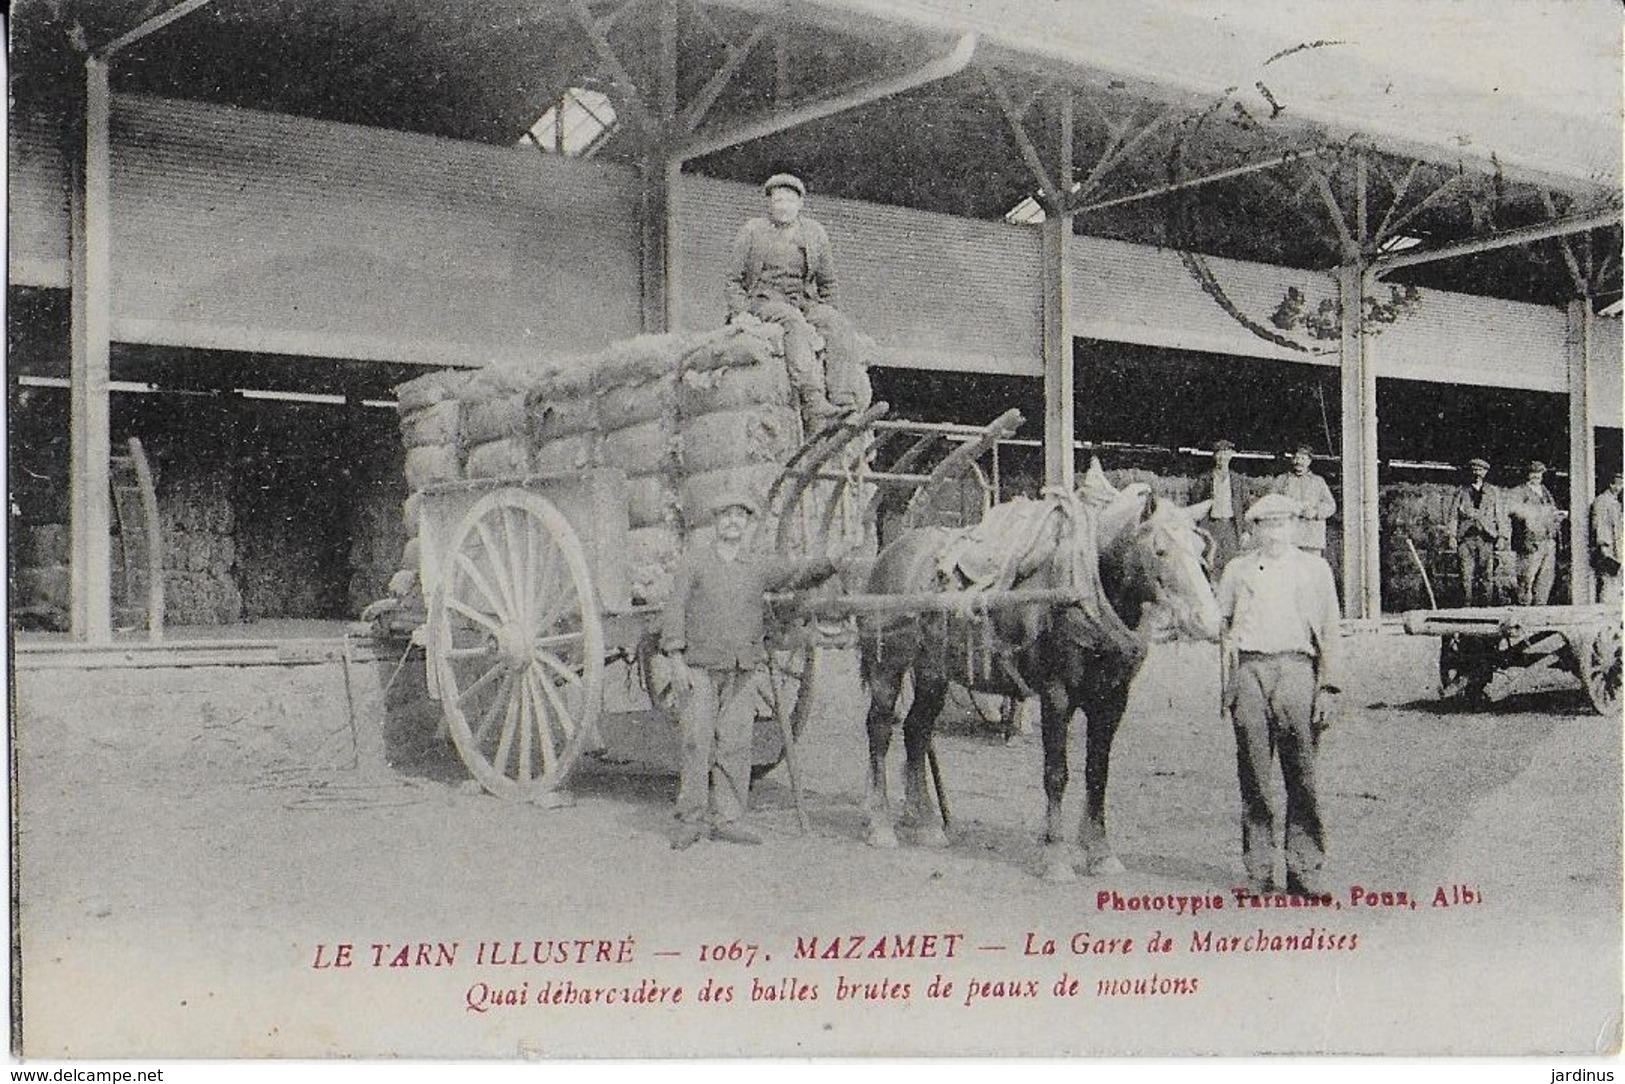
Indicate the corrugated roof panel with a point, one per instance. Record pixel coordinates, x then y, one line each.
1135 294
38 211
1608 372
309 237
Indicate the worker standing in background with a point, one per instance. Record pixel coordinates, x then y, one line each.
1605 540
1478 524
1536 519
1314 497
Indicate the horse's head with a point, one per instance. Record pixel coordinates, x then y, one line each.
1154 567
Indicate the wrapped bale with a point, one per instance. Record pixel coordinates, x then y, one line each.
652 555
704 390
499 458
731 438
426 466
644 448
48 587
434 426
552 417
634 404
429 389
650 501
563 456
495 418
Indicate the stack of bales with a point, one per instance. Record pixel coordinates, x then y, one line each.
1418 513
200 551
41 592
685 417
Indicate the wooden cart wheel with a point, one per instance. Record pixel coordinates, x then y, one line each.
1465 665
1600 670
517 644
793 679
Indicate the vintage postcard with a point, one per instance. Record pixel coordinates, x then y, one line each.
552 529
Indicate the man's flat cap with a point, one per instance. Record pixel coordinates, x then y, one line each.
1476 462
1274 506
784 180
733 498
1536 467
1223 446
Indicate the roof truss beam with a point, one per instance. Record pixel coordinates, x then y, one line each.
951 63
724 75
1579 224
596 30
149 26
1051 188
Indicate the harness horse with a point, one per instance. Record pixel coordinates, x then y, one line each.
1057 598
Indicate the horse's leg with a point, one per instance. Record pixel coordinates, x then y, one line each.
883 692
1103 706
1056 724
919 810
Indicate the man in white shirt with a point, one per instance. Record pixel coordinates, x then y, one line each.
1280 654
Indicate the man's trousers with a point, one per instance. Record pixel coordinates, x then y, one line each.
1274 699
1536 573
840 376
717 718
1475 555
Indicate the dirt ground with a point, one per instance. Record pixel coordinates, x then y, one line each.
169 912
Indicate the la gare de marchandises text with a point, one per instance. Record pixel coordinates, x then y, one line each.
547 972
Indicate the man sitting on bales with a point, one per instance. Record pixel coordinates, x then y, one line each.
782 271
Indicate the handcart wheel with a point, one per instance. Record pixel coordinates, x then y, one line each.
517 644
1466 667
1600 670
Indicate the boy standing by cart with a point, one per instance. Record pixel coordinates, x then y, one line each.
713 643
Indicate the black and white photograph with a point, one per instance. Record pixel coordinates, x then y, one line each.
644 529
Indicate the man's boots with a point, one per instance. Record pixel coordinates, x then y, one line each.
816 409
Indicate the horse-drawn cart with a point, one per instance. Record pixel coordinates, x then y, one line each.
1475 644
529 595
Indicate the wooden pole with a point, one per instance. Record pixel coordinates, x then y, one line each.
89 426
1060 410
1362 588
1582 449
657 213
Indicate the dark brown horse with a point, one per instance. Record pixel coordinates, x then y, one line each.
1134 568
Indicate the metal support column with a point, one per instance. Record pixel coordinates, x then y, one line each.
1582 449
1060 420
656 211
1060 411
1362 585
89 515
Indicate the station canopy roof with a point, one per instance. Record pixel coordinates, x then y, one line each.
1463 120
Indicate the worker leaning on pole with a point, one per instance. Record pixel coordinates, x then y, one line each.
1279 670
713 645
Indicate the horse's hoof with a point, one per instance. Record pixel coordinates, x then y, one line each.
1105 867
1060 872
884 838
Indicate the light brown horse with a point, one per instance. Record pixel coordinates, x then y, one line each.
1134 568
